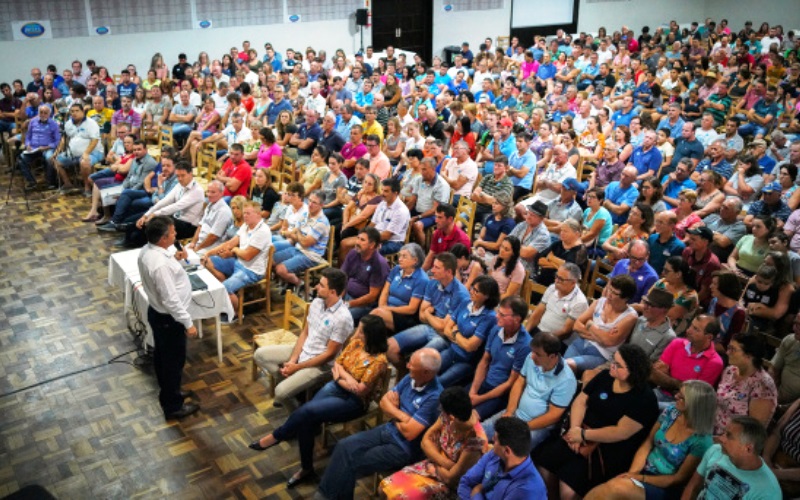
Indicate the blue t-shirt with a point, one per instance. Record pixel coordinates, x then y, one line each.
423 406
479 324
674 130
645 161
644 278
546 71
507 147
556 387
559 115
620 196
523 482
723 168
517 161
445 299
620 118
501 102
660 252
403 288
494 228
506 356
674 188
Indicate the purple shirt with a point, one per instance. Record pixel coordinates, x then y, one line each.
644 277
42 134
607 173
361 275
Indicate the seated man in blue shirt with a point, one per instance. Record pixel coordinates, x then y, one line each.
443 294
637 267
646 158
542 392
621 195
506 472
507 347
677 181
762 116
412 406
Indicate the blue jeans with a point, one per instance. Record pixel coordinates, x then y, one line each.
181 131
24 162
537 435
124 202
330 404
752 129
390 247
238 275
420 336
362 454
454 369
584 354
6 126
293 259
492 406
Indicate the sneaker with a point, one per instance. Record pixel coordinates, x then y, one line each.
87 194
31 186
51 187
108 227
228 321
67 190
300 288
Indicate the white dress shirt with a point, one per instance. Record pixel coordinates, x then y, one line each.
166 283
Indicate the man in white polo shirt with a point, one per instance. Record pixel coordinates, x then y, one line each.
561 305
391 218
216 219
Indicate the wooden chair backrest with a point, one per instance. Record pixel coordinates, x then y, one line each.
295 311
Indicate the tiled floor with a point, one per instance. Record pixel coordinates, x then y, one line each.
84 428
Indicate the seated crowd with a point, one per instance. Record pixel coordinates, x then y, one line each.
581 258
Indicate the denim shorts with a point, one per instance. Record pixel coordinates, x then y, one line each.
238 275
292 259
584 354
72 161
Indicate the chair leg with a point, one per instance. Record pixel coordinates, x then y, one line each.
240 293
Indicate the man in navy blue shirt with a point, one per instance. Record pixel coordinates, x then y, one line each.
687 146
413 406
663 242
443 295
507 347
646 158
506 472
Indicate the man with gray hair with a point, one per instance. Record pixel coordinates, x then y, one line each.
561 304
728 228
734 467
460 171
646 158
331 139
672 122
41 140
315 100
277 105
412 406
217 216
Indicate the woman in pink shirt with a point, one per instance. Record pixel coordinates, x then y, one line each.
270 153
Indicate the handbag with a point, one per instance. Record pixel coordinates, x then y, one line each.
591 449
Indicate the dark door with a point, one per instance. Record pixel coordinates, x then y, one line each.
403 24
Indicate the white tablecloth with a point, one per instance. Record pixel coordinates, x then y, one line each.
123 272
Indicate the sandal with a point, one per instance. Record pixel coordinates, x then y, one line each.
91 218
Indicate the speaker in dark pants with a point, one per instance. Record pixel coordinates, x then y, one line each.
168 358
135 237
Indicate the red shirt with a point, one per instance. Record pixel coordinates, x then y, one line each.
684 365
703 268
443 242
243 172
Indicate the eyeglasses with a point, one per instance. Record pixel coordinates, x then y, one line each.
474 289
637 259
618 366
559 279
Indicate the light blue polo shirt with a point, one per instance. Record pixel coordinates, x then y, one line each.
506 355
403 288
445 299
542 389
507 147
517 161
618 196
478 323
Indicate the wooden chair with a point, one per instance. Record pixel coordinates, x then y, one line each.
295 313
165 137
585 170
392 258
465 214
263 284
602 271
316 271
206 160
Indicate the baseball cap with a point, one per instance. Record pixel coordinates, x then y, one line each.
506 122
702 232
759 142
527 90
539 208
772 187
359 54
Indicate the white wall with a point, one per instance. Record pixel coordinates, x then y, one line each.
638 13
783 12
117 51
473 26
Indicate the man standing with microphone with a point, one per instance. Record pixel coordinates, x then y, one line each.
169 292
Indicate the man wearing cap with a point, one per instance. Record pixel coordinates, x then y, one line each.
702 260
532 234
663 242
621 195
653 331
562 208
709 86
502 143
770 204
637 267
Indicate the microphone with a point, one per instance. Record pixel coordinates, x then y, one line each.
179 248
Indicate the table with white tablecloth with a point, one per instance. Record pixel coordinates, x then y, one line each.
123 272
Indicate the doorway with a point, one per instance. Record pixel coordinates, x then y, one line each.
403 24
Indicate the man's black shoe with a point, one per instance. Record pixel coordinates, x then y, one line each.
186 410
